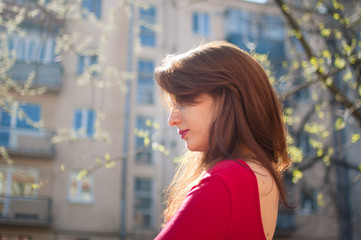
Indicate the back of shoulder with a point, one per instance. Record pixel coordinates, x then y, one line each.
233 170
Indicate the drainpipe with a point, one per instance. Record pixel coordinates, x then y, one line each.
343 190
123 203
343 185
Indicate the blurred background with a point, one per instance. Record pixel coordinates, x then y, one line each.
85 149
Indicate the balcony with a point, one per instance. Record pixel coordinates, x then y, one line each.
47 74
32 211
27 142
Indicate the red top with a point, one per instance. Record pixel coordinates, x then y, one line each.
224 205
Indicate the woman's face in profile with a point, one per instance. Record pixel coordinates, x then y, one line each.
194 121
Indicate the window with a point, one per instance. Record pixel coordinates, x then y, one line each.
5 123
304 143
200 24
30 51
20 49
273 29
308 201
145 91
87 62
303 94
18 181
286 220
147 17
259 32
145 153
143 203
16 119
84 120
80 189
32 48
92 6
14 123
32 111
46 51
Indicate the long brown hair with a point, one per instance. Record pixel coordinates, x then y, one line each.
249 112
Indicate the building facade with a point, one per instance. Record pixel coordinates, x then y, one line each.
109 185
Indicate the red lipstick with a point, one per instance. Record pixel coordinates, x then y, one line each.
183 133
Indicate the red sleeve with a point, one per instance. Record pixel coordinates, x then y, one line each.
204 214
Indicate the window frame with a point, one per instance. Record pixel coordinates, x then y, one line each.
201 23
147 36
92 6
145 82
139 193
308 202
87 62
139 141
78 198
12 128
7 189
32 48
14 121
89 130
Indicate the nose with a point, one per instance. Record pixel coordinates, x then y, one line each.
174 118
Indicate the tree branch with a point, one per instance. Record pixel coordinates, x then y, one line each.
339 96
299 87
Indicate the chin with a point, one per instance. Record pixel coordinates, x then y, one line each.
193 148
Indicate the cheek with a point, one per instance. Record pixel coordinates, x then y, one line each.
208 124
207 130
203 141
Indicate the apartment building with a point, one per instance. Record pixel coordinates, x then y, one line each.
46 192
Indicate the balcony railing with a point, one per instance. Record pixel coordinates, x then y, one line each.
33 211
47 75
27 142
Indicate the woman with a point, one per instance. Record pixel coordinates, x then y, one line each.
228 184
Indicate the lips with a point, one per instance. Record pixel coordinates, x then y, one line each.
183 133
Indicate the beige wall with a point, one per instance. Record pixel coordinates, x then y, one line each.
103 215
101 218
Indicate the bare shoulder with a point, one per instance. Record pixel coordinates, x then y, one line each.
268 197
266 183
